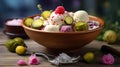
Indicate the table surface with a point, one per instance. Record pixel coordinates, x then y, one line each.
8 59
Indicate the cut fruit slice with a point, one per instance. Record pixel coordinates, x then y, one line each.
80 26
46 14
68 20
28 22
37 24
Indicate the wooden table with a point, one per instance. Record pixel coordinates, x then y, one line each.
8 59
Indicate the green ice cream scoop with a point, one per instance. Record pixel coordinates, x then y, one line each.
80 26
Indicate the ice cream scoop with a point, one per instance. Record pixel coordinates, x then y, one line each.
81 15
71 14
14 22
93 24
36 17
66 28
57 17
52 28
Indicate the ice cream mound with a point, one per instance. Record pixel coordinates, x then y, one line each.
61 20
14 22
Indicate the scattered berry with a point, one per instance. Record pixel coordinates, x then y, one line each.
60 10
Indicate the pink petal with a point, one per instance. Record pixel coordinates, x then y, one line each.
22 62
33 60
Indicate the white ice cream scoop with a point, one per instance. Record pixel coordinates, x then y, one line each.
57 19
81 15
51 28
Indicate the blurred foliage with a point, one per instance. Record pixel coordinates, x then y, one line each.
111 15
111 25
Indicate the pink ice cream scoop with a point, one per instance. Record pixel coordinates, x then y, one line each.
108 59
22 62
33 60
66 28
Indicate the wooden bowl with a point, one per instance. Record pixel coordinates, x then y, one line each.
13 31
64 41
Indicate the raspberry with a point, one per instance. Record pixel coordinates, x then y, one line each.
60 10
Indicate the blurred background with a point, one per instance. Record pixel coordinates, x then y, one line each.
108 10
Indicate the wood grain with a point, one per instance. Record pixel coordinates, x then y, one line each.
8 59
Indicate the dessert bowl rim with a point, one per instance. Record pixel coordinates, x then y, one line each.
77 32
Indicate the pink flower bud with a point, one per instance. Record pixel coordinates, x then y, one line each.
22 62
108 59
33 60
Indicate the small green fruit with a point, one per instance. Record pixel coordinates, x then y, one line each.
89 57
28 22
37 23
20 50
46 14
110 36
18 40
13 43
69 20
80 26
9 44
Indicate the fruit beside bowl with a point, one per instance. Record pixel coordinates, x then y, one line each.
76 32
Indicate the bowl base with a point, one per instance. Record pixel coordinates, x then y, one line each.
57 51
75 52
13 35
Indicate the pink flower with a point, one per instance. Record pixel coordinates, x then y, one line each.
22 62
108 59
33 60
